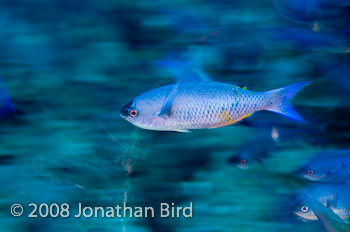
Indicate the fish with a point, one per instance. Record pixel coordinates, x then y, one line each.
186 106
329 166
270 140
321 193
252 152
329 203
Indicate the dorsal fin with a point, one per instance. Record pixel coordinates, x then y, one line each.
240 85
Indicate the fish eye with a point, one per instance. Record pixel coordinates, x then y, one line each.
304 209
310 172
243 162
133 113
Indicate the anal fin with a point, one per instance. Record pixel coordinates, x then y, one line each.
232 121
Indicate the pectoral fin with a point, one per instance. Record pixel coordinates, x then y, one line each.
166 109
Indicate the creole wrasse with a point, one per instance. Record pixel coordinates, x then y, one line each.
198 105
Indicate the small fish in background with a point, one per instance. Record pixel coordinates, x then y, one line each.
331 166
272 137
316 205
6 106
321 193
255 151
334 197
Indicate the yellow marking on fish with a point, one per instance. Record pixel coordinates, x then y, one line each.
244 87
226 115
229 122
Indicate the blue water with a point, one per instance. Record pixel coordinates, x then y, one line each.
69 66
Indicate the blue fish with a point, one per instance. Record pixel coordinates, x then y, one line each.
253 152
331 166
325 202
197 102
321 193
197 105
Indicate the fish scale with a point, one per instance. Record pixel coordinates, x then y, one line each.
211 109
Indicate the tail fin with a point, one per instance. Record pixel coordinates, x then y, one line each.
6 106
283 95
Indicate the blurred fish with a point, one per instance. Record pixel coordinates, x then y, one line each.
321 193
332 166
198 105
253 152
316 206
334 197
6 106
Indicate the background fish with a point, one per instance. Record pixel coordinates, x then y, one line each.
253 151
332 166
336 197
198 105
316 207
322 193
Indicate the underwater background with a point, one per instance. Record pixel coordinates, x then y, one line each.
69 66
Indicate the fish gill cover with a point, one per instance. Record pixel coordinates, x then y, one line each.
75 73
